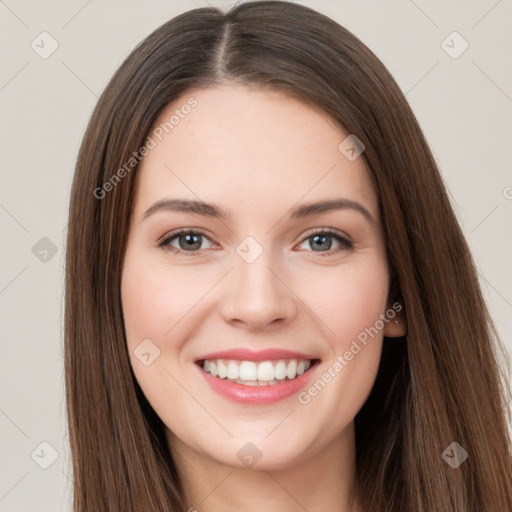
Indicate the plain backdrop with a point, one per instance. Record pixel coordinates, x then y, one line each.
462 102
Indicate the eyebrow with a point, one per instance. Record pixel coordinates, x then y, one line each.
299 212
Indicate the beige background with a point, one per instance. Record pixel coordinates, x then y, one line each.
463 104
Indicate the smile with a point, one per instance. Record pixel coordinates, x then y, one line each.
256 378
252 373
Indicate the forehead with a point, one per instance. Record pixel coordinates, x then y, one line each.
251 148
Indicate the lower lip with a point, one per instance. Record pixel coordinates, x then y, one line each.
257 395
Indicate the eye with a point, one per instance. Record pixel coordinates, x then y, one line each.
189 241
323 239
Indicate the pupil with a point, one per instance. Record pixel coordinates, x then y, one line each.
318 237
190 242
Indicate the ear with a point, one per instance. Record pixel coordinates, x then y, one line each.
397 326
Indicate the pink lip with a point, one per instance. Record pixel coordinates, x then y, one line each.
257 395
242 354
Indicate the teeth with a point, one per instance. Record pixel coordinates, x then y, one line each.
251 373
265 371
248 370
233 370
280 370
222 370
291 370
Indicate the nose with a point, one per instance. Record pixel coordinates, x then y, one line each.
257 297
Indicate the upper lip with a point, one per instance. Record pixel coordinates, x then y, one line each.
243 354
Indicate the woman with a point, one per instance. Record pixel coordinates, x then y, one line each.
217 357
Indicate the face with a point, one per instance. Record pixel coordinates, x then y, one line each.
276 297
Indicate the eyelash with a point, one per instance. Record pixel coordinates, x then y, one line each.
346 244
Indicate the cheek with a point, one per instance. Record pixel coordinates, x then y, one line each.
143 298
347 300
350 303
155 298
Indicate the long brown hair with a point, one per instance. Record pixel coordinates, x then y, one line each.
441 384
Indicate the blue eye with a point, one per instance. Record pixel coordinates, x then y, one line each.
319 238
190 242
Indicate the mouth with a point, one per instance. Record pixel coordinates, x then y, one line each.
254 373
257 378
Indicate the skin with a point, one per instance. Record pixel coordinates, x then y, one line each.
257 154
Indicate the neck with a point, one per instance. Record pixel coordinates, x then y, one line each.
323 481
